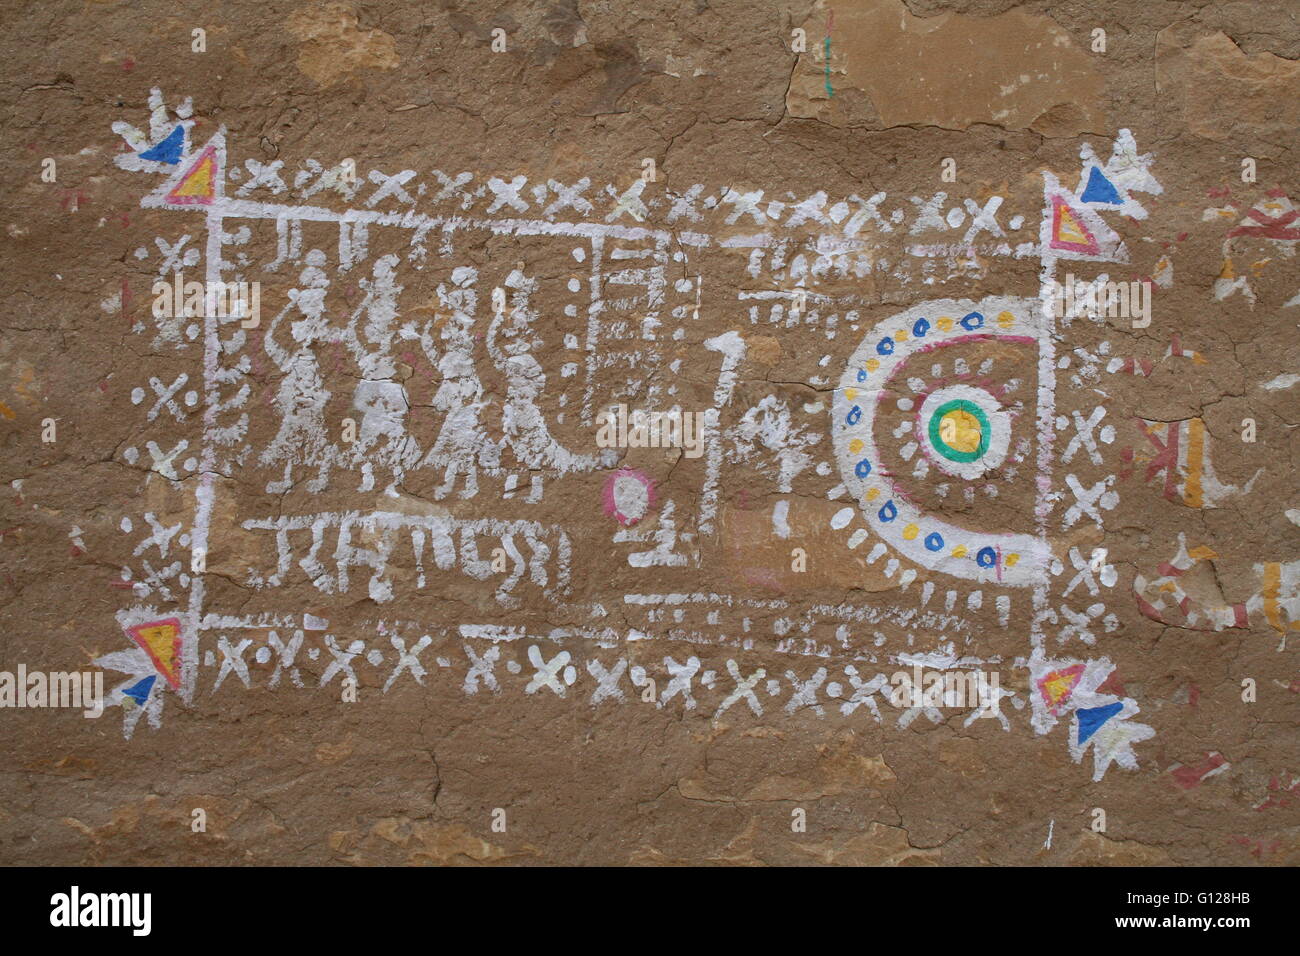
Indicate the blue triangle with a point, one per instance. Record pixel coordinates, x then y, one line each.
1101 189
140 692
1091 719
169 150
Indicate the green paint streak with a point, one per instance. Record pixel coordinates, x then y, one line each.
829 91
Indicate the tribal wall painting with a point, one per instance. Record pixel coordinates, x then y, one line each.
443 346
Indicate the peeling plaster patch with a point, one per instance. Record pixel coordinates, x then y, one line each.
333 47
1225 93
1014 70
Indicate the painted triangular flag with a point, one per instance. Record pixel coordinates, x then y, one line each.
1068 231
1071 229
161 640
198 186
1112 184
1091 719
197 180
1057 686
1100 189
169 150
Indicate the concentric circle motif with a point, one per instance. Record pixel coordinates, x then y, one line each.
959 431
964 432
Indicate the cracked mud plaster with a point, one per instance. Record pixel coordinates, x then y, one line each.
366 586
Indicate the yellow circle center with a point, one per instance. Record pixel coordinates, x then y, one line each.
960 431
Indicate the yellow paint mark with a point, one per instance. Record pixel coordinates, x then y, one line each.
1192 493
1069 229
850 393
960 431
1273 584
910 532
1006 319
27 377
873 494
1201 553
959 551
855 446
6 411
900 336
944 323
872 364
1011 560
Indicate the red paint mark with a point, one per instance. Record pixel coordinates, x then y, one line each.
1280 797
12 530
103 386
1271 227
1190 777
75 552
124 585
1113 684
763 577
129 65
1166 458
1193 696
1259 847
1219 193
126 299
1182 236
72 198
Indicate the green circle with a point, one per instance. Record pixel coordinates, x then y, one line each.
942 447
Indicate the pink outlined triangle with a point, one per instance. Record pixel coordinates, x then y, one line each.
1072 675
1060 208
208 155
138 634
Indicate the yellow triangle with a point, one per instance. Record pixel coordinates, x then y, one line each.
161 639
198 183
1057 688
1070 230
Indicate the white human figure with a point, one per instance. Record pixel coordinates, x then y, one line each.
525 427
382 436
302 396
462 446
